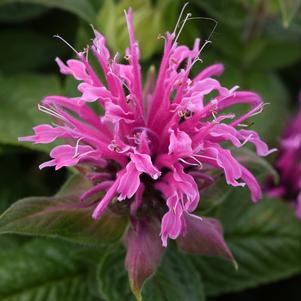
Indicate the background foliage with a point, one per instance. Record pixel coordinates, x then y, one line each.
260 44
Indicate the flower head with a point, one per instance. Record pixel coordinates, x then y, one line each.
157 144
152 149
288 164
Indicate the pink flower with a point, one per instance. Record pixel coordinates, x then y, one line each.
288 164
154 147
151 139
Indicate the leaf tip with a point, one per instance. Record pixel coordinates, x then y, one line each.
235 264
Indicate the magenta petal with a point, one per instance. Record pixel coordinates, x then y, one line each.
204 236
144 252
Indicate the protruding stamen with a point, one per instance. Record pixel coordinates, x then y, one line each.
71 47
114 147
76 148
51 112
180 17
246 125
184 22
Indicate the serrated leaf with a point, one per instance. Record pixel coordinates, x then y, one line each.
45 271
265 240
19 97
176 279
112 278
61 216
82 8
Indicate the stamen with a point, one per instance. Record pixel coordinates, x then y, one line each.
155 135
128 98
86 51
260 109
256 113
188 163
76 147
113 147
234 89
244 125
199 162
197 57
71 47
247 139
51 112
213 114
180 17
86 153
184 22
160 36
207 18
205 157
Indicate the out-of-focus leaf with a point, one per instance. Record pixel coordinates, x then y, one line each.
265 240
82 8
278 54
7 243
176 279
19 12
233 13
259 165
112 277
26 50
270 123
45 271
62 216
19 96
273 119
289 9
149 21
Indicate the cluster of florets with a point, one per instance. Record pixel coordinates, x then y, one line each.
152 147
288 165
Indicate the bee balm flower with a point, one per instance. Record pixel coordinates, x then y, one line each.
154 148
288 164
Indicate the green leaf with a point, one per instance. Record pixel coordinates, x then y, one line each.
111 22
270 123
34 182
26 50
45 271
19 97
228 11
176 279
62 216
18 12
289 9
273 119
265 240
277 54
112 277
81 8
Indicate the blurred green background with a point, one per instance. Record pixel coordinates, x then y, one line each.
258 41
